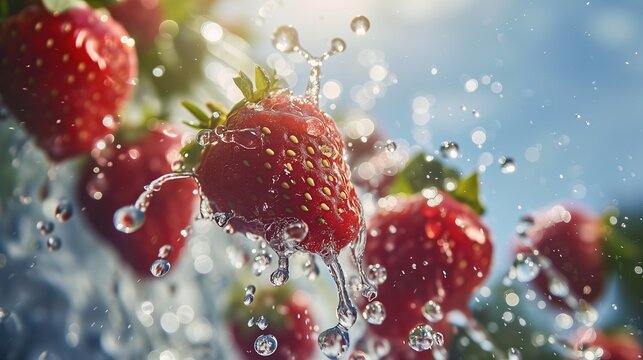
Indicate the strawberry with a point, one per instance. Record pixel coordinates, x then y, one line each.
141 18
277 164
433 248
572 238
615 346
288 318
115 180
65 75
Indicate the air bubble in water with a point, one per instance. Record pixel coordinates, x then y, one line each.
64 211
449 150
333 342
526 267
265 345
421 338
262 322
285 39
165 251
53 243
376 274
507 165
45 227
160 267
374 313
128 219
432 311
360 25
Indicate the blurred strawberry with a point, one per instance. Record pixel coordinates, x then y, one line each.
141 18
372 164
604 346
116 180
65 75
288 319
572 238
434 250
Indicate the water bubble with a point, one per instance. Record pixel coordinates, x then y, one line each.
261 263
296 231
376 274
160 267
333 342
507 165
45 227
64 211
337 45
265 345
128 219
360 25
165 251
449 150
53 243
421 338
514 354
432 311
374 313
558 285
526 267
262 322
285 39
223 218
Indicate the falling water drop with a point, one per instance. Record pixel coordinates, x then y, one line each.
165 251
514 354
128 219
265 345
337 45
262 322
280 276
285 39
374 313
449 150
526 267
160 267
507 165
45 227
53 243
64 211
360 25
376 274
421 338
333 342
261 263
432 311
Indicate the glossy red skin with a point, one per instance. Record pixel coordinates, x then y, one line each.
238 179
289 322
618 346
575 249
458 259
134 166
141 18
62 74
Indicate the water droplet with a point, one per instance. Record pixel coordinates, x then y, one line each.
53 243
558 286
279 277
128 219
265 345
507 165
248 299
222 218
160 267
421 338
261 263
526 267
360 25
591 353
165 251
285 39
45 227
438 339
523 227
449 150
390 146
333 342
205 137
432 311
64 211
337 45
251 322
376 274
262 322
514 354
296 231
250 289
374 313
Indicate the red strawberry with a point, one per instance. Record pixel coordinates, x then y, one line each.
141 18
572 239
433 248
617 346
289 321
279 162
65 76
116 180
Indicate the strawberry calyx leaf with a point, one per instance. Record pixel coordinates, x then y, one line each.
191 152
425 171
265 84
623 251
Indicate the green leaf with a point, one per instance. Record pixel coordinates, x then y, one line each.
217 108
419 174
262 81
467 192
97 4
204 121
623 251
57 6
244 84
190 155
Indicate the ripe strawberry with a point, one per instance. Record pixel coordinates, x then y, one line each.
289 321
432 248
278 163
616 346
572 238
141 19
65 75
117 179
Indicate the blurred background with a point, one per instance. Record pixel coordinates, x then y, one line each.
555 86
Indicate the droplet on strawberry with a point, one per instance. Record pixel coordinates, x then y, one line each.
66 75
